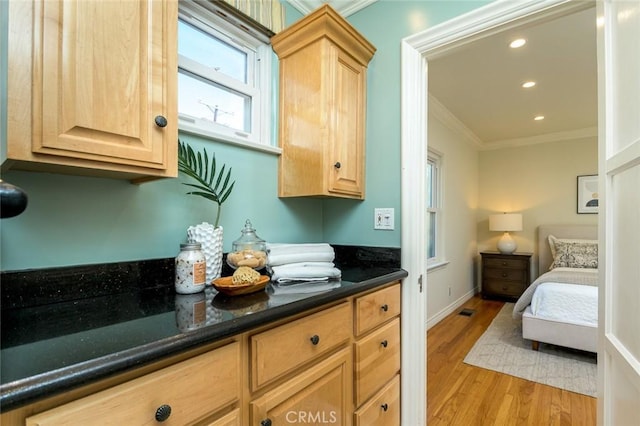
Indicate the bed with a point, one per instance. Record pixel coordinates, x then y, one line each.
561 306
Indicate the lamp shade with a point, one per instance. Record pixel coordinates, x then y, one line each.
505 222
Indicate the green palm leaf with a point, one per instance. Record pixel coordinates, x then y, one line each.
198 167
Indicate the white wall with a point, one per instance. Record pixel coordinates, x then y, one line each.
451 285
539 181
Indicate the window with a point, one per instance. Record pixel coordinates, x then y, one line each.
434 209
224 78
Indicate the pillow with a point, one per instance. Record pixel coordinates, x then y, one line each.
572 253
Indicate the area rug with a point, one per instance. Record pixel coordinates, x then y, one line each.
501 348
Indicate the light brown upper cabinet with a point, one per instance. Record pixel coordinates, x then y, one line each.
92 88
323 75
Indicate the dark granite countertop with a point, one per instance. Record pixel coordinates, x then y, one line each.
58 337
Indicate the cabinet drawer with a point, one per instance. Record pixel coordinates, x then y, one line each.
376 308
377 359
193 389
280 350
506 288
505 274
499 263
383 409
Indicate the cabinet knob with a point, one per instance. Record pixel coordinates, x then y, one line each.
337 165
265 422
163 412
504 263
315 339
505 275
161 121
384 343
384 407
384 307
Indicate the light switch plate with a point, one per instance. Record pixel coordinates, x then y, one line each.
383 218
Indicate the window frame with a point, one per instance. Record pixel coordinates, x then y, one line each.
209 18
436 159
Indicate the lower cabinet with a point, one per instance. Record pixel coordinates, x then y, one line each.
338 364
319 395
377 358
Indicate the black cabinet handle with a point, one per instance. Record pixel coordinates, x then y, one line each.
337 165
384 407
384 307
163 412
265 422
161 121
315 339
384 343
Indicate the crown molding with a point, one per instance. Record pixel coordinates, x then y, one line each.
344 8
587 132
450 121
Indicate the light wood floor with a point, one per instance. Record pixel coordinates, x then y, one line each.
461 394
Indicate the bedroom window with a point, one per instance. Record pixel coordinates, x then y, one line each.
434 209
224 77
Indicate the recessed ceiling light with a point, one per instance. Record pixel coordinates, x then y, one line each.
528 84
539 117
519 42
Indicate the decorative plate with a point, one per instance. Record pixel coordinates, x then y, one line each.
225 285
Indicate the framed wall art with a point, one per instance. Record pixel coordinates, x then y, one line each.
588 194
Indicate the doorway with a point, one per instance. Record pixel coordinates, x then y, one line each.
416 52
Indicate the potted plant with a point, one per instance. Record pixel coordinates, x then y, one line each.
214 186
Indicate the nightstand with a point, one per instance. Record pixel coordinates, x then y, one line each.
505 276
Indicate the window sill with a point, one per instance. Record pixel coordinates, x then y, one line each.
232 141
437 265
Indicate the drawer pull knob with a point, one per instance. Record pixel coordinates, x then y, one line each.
384 307
163 412
384 407
505 275
504 263
337 165
265 422
315 339
384 343
161 121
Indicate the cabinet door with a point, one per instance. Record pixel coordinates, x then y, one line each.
319 395
104 74
346 138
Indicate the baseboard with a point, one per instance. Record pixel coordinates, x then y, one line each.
449 309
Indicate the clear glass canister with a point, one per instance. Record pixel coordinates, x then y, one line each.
191 269
248 250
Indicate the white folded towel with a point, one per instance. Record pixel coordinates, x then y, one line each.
305 265
283 248
288 273
302 288
283 259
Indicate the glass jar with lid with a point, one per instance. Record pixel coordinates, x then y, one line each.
248 250
191 269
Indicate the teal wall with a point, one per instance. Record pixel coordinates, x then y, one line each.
384 23
77 220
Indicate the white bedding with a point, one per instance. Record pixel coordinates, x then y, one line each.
570 303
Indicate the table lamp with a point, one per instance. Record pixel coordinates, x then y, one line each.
506 222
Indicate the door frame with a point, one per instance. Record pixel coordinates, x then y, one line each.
416 52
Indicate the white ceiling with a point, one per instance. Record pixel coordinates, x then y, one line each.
480 83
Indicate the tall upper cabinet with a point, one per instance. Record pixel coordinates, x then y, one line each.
92 87
323 75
